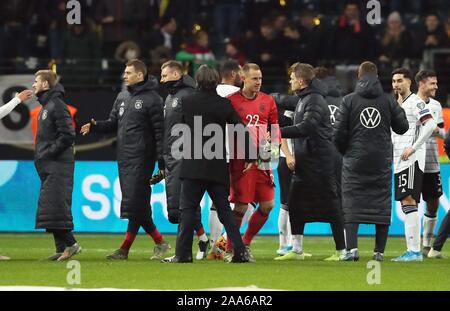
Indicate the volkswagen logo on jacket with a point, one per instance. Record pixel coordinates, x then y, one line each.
370 118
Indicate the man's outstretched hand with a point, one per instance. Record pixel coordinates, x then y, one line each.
24 95
85 129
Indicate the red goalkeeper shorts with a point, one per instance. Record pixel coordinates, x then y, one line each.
252 186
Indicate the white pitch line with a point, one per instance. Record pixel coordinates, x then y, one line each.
47 288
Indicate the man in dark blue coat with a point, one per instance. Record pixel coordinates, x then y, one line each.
313 194
137 118
178 86
327 85
363 137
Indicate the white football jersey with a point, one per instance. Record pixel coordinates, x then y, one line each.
432 151
225 90
416 111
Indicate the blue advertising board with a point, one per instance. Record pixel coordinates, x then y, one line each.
96 201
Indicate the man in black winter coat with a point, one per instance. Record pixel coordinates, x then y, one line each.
200 171
54 161
313 194
137 117
177 86
363 137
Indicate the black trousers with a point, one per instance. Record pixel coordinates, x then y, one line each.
284 178
147 224
337 228
63 238
192 191
381 236
444 231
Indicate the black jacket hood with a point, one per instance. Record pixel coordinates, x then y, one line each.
56 91
316 86
369 87
149 84
333 87
174 86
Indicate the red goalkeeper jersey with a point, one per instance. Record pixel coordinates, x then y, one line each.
258 114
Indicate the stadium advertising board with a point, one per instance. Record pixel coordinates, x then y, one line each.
97 195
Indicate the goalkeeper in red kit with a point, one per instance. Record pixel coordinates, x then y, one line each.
253 183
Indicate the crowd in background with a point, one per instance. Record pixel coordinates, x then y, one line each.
272 33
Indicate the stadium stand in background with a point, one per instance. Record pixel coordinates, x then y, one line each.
271 33
34 34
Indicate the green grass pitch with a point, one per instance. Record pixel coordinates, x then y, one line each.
28 269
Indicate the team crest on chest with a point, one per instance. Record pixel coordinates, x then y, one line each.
138 104
262 108
175 102
44 114
421 105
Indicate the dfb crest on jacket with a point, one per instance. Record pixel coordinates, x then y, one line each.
138 104
175 102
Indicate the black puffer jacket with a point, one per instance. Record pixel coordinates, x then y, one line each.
55 135
285 101
172 110
286 105
363 136
137 117
313 192
333 96
329 87
54 161
173 115
332 92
